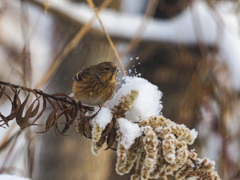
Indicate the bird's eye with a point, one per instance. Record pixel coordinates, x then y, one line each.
107 69
79 77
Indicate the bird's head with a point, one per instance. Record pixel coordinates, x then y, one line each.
106 71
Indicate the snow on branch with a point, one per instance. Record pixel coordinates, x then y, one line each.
11 177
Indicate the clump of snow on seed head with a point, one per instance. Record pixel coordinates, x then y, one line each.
130 131
103 117
148 102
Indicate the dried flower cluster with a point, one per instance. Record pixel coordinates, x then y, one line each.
160 150
167 152
109 134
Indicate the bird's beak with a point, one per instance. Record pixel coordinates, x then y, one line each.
115 70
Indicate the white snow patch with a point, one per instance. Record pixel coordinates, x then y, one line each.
158 129
103 118
130 132
12 177
171 156
148 102
192 178
194 133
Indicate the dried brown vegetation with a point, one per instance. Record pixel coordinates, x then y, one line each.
196 81
161 150
27 112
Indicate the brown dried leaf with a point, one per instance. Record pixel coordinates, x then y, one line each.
2 91
4 119
41 112
72 111
21 120
34 112
111 139
11 116
50 120
87 128
108 130
66 126
16 101
61 104
31 113
50 102
16 105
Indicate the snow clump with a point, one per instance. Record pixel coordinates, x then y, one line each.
148 102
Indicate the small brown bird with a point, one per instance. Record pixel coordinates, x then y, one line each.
94 85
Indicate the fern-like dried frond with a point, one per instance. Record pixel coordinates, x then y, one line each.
28 105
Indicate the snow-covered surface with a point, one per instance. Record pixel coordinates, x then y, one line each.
148 102
103 117
11 177
130 131
199 22
194 133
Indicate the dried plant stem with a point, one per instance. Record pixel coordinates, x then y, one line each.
90 2
26 113
56 61
152 5
39 92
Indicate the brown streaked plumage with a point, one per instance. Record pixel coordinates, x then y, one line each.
94 85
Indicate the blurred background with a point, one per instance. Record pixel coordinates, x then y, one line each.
189 48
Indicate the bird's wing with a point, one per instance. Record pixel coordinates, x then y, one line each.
82 74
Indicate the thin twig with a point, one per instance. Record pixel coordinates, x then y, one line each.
90 2
37 91
152 5
74 42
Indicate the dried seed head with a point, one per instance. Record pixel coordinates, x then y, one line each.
96 132
150 143
96 146
125 104
169 148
